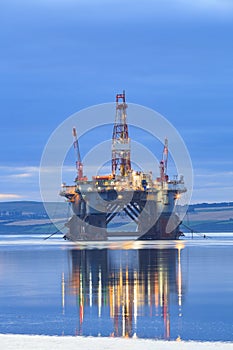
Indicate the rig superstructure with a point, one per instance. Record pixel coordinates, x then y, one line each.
149 203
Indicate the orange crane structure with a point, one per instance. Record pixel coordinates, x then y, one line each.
163 163
79 164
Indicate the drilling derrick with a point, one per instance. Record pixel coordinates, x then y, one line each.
121 164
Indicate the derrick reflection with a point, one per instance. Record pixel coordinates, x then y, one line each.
129 293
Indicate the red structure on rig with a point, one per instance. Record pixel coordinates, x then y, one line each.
121 164
163 163
79 164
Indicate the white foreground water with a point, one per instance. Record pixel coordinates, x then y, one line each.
28 342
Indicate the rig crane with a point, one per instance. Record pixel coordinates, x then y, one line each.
163 163
79 164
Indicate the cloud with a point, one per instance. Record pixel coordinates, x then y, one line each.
10 174
21 182
212 186
9 196
23 175
23 169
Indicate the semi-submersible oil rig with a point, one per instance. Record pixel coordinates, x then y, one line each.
149 203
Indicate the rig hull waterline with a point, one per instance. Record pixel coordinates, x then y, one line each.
148 203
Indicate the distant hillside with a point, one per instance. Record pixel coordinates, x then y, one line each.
210 217
210 206
22 210
25 217
31 217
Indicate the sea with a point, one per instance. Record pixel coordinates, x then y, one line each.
166 290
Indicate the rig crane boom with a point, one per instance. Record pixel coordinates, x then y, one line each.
79 165
163 163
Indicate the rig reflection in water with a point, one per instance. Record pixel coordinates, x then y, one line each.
129 293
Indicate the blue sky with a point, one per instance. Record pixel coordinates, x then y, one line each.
58 57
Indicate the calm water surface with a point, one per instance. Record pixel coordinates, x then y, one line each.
160 290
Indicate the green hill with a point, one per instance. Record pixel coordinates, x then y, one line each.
31 217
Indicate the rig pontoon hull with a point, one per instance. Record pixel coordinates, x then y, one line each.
151 211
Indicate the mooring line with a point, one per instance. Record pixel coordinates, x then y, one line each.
193 231
54 233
